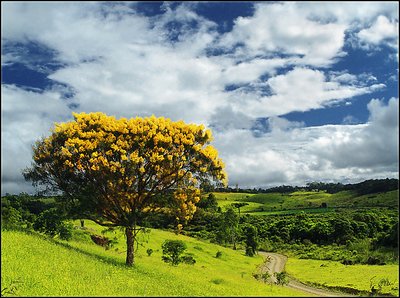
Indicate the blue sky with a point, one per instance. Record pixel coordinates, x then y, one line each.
294 92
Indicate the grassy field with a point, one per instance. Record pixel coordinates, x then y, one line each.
34 266
308 201
335 274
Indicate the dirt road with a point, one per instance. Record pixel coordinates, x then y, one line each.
276 263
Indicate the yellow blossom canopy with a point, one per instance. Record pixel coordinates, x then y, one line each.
120 169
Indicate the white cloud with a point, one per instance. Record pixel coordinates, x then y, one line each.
348 12
300 89
246 72
282 28
370 146
26 116
382 31
331 153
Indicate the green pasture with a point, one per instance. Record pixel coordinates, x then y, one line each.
335 274
350 199
308 201
36 266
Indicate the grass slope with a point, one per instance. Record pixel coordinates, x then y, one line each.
40 267
335 274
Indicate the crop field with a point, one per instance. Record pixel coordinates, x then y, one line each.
307 201
334 274
78 267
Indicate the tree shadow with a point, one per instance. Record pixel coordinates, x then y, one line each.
104 259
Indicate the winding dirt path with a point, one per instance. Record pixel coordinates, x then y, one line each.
276 263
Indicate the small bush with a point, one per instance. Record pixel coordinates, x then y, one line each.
149 251
281 278
264 277
249 252
217 281
50 223
172 250
65 231
218 254
374 261
188 260
11 218
347 262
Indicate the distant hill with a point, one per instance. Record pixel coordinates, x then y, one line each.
316 197
365 187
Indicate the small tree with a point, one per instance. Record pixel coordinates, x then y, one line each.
50 222
228 229
172 250
118 172
209 202
239 205
281 278
188 259
251 239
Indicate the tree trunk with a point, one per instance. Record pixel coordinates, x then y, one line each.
130 259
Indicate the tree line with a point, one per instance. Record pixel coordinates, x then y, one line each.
362 188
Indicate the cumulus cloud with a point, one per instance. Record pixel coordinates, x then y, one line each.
26 117
383 30
331 153
371 145
300 89
281 28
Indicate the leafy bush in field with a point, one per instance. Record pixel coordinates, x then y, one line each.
50 223
265 277
251 239
188 260
65 230
149 251
281 278
11 218
172 250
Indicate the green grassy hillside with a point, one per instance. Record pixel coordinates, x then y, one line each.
309 201
334 274
36 266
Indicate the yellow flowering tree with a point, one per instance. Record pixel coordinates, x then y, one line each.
117 171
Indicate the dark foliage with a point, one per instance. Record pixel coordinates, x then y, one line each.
172 250
50 222
362 188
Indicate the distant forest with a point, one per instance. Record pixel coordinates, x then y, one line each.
365 187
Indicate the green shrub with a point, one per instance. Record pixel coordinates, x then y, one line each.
218 254
149 251
372 260
172 250
217 281
187 259
65 231
281 278
50 223
11 218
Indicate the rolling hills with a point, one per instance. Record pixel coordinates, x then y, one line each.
307 201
